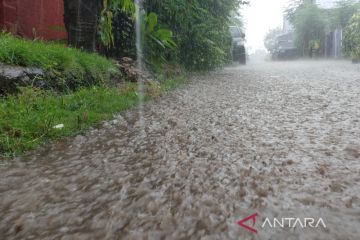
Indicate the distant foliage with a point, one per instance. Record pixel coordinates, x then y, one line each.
352 37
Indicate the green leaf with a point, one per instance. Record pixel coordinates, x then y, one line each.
152 21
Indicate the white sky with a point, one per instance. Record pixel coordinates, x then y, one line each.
261 16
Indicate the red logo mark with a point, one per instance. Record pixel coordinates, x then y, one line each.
242 223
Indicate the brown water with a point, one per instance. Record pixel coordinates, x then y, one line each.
278 139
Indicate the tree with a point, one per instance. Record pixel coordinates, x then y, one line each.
309 22
352 37
236 19
345 10
270 40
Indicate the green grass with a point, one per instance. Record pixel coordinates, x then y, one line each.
80 96
70 68
172 83
27 120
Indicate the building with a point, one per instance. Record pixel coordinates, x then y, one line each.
33 18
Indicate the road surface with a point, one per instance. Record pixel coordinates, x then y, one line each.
280 140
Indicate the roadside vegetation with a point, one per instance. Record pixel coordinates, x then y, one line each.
35 116
207 22
82 93
192 34
93 77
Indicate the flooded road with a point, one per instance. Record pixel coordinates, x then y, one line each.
276 139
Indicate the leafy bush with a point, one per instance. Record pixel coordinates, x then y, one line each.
352 37
201 30
156 40
68 68
114 32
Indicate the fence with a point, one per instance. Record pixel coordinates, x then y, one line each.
33 18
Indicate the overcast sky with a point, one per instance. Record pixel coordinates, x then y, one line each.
261 16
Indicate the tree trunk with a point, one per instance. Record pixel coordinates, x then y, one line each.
81 19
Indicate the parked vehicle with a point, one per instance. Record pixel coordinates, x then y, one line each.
285 47
238 45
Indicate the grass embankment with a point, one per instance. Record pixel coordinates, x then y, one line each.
35 116
66 68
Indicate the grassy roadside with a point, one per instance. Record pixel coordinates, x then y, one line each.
67 69
80 95
35 116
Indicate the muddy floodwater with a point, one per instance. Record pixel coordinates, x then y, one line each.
276 139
